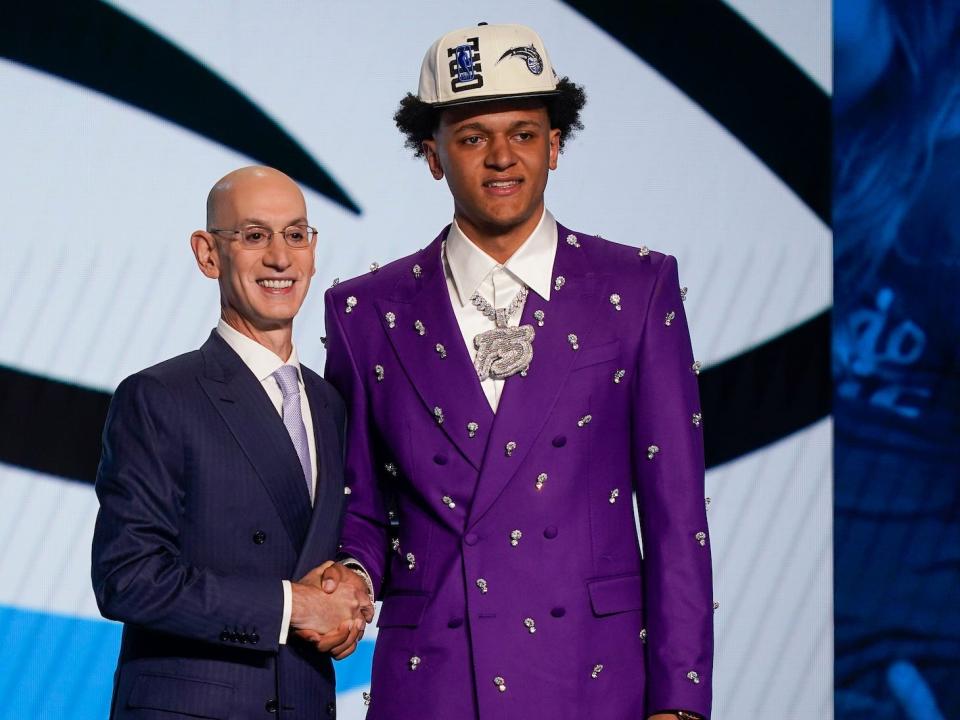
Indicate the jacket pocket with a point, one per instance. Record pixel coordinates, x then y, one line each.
402 610
611 595
187 696
596 355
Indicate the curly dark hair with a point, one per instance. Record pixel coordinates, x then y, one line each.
419 121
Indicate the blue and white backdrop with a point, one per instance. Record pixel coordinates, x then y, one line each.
707 136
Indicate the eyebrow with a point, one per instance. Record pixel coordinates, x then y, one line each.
514 126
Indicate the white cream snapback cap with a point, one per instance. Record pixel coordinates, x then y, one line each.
485 63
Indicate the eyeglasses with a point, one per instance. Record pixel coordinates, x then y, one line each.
255 237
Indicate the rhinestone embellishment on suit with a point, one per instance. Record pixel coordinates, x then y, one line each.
615 301
351 304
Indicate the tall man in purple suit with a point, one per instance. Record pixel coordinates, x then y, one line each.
509 389
220 483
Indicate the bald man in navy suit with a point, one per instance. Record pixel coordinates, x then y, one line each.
221 482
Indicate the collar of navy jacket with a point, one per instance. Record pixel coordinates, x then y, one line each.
258 429
452 384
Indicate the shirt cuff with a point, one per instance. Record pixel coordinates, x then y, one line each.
357 566
287 611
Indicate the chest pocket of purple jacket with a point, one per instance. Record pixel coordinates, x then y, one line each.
403 610
588 356
617 594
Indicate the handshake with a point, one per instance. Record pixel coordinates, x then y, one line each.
331 607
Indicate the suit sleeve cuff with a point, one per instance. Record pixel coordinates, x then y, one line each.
287 611
357 566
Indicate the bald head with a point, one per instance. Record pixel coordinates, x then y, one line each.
239 192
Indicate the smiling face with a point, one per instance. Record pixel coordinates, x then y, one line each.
496 158
261 290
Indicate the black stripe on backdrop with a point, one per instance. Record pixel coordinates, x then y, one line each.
95 45
748 402
734 73
711 54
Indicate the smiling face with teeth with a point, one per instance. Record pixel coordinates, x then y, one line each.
261 290
496 157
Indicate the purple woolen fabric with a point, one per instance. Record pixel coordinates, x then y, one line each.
575 571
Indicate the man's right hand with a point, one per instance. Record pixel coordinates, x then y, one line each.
332 620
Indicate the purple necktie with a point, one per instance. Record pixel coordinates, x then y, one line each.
286 377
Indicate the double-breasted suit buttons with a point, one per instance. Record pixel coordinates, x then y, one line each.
259 537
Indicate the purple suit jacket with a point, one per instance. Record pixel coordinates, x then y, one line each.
515 577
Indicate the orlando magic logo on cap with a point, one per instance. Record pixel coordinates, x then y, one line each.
453 71
529 54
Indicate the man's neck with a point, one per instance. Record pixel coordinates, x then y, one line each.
499 244
278 340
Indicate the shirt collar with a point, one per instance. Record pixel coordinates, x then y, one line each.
531 264
262 361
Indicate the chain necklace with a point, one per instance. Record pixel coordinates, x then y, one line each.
500 315
503 351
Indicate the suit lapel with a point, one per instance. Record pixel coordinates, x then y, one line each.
328 498
449 383
247 411
528 401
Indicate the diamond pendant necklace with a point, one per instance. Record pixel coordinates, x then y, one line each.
503 351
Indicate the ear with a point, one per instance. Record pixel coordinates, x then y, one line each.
554 147
433 159
207 254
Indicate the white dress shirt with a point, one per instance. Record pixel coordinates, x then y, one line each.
263 363
469 269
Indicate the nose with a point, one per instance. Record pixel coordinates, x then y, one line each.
500 155
276 254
